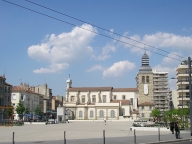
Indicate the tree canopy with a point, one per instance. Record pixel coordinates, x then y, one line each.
20 109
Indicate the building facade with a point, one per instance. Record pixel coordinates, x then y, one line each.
160 91
29 99
145 86
47 97
97 103
182 81
152 89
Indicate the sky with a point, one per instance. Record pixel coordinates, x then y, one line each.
39 46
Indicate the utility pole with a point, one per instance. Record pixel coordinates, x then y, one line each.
190 92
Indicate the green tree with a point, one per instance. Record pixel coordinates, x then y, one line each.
38 111
155 113
26 110
20 109
9 112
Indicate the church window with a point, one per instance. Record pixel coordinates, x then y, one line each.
112 113
147 79
123 111
93 99
91 114
101 114
143 79
72 98
83 99
80 114
104 98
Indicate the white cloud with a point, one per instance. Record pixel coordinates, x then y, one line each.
65 47
96 68
105 52
52 68
158 40
118 69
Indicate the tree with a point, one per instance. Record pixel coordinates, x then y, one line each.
9 112
20 109
38 111
155 113
26 111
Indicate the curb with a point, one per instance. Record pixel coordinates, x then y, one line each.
170 141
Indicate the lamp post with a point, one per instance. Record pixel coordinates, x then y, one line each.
182 99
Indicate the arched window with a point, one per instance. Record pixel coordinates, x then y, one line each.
112 113
101 114
91 113
147 79
80 114
143 79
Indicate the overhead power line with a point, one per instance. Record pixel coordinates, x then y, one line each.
103 28
88 29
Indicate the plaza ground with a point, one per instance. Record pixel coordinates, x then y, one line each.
81 132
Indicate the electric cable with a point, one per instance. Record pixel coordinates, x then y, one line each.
88 29
103 28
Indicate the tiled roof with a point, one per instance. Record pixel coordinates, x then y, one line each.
7 84
124 89
146 104
90 88
19 88
123 102
103 89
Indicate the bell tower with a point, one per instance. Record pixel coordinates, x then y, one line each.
145 82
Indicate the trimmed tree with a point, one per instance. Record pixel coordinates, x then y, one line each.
9 112
26 110
38 111
20 109
155 113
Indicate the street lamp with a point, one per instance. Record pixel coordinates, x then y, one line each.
182 99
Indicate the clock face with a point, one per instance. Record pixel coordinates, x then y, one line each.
146 89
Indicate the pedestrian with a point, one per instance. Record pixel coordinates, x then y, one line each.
105 121
172 126
177 130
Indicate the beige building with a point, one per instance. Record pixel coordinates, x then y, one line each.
47 97
30 99
160 91
182 80
97 103
5 95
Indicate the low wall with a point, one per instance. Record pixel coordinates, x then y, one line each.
149 129
34 123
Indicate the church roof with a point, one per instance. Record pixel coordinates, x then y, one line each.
123 102
146 104
90 88
102 89
124 89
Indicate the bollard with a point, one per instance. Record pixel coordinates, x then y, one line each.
103 136
13 138
64 138
159 132
134 137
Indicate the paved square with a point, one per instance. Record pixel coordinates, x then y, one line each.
77 132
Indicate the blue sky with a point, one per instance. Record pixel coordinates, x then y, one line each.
36 49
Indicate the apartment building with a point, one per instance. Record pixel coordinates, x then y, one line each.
30 99
160 91
7 98
47 96
182 80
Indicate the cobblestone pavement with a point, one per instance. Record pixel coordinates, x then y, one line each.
81 132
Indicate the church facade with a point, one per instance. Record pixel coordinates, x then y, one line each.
97 103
